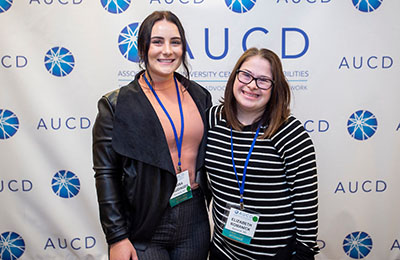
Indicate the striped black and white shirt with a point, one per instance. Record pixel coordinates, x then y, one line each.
280 185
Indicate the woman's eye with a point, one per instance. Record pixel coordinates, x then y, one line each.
247 75
156 42
176 42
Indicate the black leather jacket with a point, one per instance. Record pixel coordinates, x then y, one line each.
133 168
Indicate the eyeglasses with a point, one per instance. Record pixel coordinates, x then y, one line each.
247 78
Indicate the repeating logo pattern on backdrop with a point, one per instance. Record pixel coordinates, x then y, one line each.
367 6
5 5
240 6
9 124
127 42
65 184
59 61
12 246
357 245
362 125
115 6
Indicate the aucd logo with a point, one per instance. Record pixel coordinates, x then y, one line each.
240 6
59 61
115 6
12 246
367 6
9 124
65 184
357 245
5 5
127 42
362 125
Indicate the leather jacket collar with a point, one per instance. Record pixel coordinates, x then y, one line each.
146 141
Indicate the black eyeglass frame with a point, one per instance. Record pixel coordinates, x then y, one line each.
255 79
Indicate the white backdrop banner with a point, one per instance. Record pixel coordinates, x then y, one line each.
57 57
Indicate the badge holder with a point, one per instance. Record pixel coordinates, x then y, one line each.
240 224
182 190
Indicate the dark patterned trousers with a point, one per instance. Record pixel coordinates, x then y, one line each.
183 233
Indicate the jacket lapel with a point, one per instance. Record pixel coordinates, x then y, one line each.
138 133
202 102
146 141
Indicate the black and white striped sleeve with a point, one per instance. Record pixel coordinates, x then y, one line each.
297 151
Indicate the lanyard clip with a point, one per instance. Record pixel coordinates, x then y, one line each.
241 202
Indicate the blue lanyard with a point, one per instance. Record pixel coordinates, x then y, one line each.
241 186
177 139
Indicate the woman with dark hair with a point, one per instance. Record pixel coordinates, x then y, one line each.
148 153
262 167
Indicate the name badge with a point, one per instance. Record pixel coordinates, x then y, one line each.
182 190
240 225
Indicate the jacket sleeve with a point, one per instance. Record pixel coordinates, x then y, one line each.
108 173
297 150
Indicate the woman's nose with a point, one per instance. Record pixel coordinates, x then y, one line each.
167 49
252 84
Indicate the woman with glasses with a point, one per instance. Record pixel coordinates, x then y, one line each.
261 166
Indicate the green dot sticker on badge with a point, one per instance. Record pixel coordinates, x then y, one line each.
240 225
182 190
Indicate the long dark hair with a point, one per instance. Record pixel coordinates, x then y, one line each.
144 37
278 107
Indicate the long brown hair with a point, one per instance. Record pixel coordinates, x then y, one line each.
144 37
277 109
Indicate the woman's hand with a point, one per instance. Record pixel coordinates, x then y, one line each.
123 250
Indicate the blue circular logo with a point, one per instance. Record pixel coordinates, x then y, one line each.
127 42
367 6
240 6
12 246
362 125
115 6
59 61
357 245
65 184
8 124
5 5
